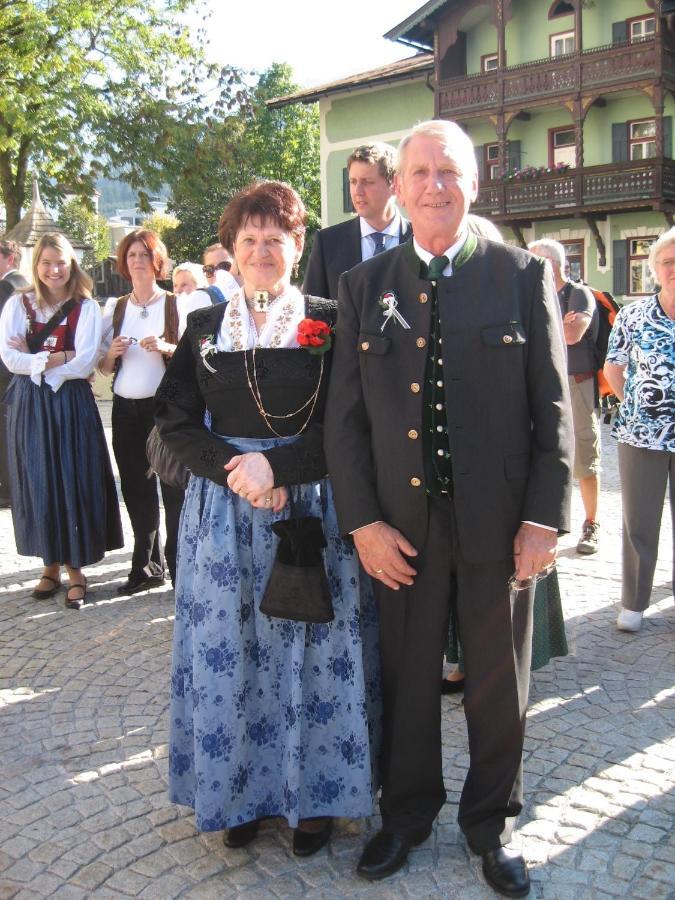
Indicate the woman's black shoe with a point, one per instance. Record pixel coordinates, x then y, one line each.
241 835
452 687
305 843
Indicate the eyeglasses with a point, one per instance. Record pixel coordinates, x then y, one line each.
226 265
516 584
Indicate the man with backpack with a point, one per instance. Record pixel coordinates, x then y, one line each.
580 327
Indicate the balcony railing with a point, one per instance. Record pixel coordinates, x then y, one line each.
627 185
589 70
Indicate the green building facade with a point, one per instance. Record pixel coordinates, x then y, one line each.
570 107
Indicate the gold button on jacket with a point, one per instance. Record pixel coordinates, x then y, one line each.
365 345
415 482
413 435
421 342
415 388
423 298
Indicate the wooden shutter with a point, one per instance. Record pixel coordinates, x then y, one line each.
513 155
668 136
480 161
619 32
347 204
619 142
620 267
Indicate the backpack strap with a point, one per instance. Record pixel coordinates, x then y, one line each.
117 320
170 334
215 293
118 314
36 340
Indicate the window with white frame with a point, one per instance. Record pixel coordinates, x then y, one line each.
562 43
563 147
642 28
491 161
640 280
490 62
642 139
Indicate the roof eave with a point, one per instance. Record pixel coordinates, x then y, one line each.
347 86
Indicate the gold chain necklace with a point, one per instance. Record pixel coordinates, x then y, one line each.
257 399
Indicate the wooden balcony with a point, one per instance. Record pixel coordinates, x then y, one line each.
591 72
593 190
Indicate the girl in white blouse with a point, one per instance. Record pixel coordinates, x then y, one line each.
64 503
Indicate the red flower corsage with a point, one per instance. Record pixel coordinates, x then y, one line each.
315 336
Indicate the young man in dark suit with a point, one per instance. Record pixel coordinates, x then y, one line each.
11 281
378 226
449 445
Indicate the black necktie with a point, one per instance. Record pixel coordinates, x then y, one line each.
378 239
436 267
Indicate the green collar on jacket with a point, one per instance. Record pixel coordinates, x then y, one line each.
463 256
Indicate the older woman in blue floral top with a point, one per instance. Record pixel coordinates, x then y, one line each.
270 716
640 368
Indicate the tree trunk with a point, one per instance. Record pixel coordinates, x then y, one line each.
13 192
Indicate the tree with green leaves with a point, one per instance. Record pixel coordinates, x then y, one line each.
77 219
97 87
256 142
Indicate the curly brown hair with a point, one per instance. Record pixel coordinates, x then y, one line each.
154 246
268 201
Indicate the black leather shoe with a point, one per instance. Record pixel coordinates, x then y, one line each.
383 855
135 584
305 843
241 835
504 870
452 687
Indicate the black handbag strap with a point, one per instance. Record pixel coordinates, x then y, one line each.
36 339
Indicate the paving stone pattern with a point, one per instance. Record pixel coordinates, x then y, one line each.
83 754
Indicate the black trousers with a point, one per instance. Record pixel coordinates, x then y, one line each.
496 638
132 422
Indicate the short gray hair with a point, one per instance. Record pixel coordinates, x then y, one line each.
450 134
549 249
194 270
668 237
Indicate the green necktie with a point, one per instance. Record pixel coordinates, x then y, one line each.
436 266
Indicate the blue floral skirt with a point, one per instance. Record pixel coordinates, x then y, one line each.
269 717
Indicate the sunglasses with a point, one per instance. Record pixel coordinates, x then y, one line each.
210 270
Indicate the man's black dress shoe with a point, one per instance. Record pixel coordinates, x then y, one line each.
241 835
451 687
505 871
305 843
385 853
135 584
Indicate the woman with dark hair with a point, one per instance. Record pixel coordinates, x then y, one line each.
64 504
274 712
140 333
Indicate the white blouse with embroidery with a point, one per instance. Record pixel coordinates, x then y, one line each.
284 314
14 323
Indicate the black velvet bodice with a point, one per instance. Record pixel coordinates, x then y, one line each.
286 379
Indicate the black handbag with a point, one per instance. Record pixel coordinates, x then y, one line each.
298 588
163 463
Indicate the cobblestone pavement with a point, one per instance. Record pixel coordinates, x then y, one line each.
83 754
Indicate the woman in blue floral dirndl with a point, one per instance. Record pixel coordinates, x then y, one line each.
274 710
